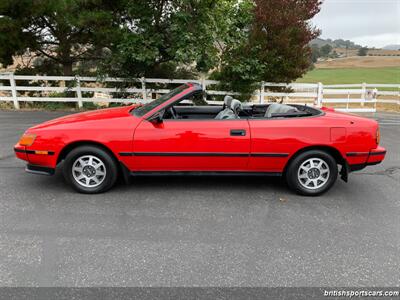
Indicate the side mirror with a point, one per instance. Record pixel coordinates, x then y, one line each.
156 118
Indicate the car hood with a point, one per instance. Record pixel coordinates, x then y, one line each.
101 114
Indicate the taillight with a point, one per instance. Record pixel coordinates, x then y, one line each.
378 136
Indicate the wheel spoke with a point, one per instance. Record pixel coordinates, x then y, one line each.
305 169
78 169
80 176
323 179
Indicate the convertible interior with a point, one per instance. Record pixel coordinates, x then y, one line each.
234 109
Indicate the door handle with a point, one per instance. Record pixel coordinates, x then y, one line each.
238 132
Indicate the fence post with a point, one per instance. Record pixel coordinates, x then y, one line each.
78 91
262 92
144 92
398 95
363 93
203 84
320 94
14 91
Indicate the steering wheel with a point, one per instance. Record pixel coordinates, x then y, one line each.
173 113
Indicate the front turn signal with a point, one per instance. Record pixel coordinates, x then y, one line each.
27 139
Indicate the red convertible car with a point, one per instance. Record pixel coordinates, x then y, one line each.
179 133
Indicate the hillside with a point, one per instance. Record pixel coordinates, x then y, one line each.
339 43
389 75
360 62
392 47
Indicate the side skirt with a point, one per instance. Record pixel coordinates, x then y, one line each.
203 173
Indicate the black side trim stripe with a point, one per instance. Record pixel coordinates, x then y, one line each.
207 154
269 154
357 154
377 153
203 173
125 154
19 150
365 153
32 151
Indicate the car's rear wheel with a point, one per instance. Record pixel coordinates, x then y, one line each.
90 170
312 173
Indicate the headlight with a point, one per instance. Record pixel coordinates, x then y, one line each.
27 139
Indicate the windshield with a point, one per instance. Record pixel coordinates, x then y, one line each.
142 110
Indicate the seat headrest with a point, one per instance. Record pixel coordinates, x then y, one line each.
236 105
228 100
277 108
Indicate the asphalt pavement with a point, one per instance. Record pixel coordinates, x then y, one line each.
159 231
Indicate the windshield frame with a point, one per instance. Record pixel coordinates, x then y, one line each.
157 104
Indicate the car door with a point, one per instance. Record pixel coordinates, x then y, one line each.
274 141
191 145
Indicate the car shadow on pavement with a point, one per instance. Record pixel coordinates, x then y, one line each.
176 183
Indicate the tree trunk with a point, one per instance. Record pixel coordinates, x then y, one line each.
67 68
67 71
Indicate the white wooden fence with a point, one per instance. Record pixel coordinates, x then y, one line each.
342 96
88 89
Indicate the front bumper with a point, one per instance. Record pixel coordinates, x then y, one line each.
41 162
39 170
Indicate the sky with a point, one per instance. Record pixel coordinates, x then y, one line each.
372 23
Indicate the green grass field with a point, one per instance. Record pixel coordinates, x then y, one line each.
353 75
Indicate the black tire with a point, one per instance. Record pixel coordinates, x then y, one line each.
108 168
296 180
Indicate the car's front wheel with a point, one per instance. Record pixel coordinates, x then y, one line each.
312 173
90 170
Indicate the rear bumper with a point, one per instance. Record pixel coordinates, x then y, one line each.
373 157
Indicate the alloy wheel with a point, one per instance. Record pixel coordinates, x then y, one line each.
89 171
313 173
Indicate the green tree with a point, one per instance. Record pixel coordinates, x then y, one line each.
61 33
362 51
166 36
326 50
315 53
274 46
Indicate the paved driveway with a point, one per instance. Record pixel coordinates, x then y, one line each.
198 231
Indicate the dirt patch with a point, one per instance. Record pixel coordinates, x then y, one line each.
360 62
